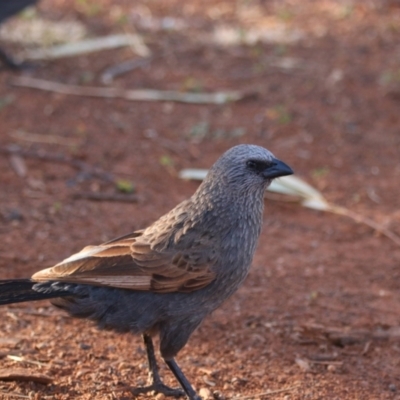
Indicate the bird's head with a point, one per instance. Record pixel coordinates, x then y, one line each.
247 168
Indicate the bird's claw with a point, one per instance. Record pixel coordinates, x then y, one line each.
159 388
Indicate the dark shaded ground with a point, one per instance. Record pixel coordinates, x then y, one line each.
319 314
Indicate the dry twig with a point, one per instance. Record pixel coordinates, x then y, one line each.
18 165
14 394
89 46
23 359
18 374
132 95
122 68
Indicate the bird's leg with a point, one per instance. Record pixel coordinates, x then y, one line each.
154 376
155 383
187 387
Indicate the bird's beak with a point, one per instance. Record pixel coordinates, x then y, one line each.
276 169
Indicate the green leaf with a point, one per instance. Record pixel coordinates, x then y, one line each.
166 161
125 186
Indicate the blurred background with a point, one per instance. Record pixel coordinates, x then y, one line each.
103 102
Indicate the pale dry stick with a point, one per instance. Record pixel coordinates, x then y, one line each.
129 94
14 394
126 66
364 220
267 393
338 363
18 165
5 354
86 46
137 44
366 348
23 359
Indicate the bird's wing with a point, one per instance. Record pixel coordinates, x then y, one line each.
131 262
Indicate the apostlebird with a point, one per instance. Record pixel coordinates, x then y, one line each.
167 278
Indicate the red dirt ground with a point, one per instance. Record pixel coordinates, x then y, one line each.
319 315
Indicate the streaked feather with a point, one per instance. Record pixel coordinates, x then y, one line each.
130 263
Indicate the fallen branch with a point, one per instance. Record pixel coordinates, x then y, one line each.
89 46
18 374
131 95
17 353
122 68
23 359
364 220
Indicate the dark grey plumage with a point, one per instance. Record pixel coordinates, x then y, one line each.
167 278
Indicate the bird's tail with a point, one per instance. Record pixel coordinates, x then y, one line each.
20 290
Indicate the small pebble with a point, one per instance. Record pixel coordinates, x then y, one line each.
82 372
205 393
123 365
392 387
160 396
13 215
218 395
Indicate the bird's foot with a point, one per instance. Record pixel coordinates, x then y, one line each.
159 387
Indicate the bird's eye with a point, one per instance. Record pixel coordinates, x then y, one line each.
257 165
251 164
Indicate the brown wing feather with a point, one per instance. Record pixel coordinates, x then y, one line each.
130 262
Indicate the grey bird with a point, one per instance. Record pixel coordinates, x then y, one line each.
167 278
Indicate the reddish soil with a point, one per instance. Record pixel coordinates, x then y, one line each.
319 315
